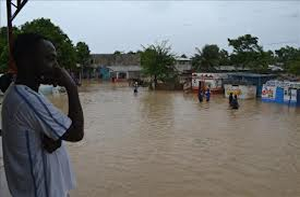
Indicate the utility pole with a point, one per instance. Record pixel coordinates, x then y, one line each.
11 15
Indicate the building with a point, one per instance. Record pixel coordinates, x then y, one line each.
249 79
213 81
183 65
282 92
243 91
123 67
120 67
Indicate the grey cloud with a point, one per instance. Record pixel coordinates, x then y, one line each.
125 25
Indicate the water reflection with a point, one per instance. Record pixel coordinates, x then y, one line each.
167 144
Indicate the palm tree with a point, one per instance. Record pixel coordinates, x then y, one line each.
158 61
207 59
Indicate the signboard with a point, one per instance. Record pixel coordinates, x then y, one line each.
234 89
268 92
242 91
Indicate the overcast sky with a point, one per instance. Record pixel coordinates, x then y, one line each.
126 25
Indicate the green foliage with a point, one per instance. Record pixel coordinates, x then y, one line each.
131 53
158 62
68 55
3 38
224 58
4 57
118 52
247 53
246 43
66 50
210 57
294 66
289 58
82 53
3 49
286 54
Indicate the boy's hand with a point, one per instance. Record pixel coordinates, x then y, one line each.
63 78
50 145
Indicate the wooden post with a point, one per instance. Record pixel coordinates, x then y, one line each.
11 66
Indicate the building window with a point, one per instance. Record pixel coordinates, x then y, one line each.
122 75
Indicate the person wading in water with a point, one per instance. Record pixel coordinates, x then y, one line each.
200 94
234 103
208 95
230 98
36 161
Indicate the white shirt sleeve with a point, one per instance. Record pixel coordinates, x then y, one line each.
43 116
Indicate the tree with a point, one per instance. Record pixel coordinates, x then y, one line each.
158 61
224 58
289 58
131 53
286 54
3 49
82 53
64 46
4 58
247 53
207 59
294 66
118 52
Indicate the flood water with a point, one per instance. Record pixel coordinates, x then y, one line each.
166 144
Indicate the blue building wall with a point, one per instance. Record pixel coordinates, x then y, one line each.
255 79
279 95
279 98
104 73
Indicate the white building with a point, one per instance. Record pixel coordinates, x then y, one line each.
125 72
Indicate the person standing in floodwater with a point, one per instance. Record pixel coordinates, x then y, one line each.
235 103
200 94
136 85
207 94
230 98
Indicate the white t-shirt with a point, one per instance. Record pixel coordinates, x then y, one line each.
30 170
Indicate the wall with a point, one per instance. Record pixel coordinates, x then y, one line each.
281 95
115 60
270 93
290 96
214 80
183 66
242 91
134 74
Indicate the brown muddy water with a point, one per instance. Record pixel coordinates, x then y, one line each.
166 144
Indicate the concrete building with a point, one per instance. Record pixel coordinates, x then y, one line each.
120 67
127 66
183 64
125 72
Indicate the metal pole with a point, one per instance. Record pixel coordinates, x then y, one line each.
10 38
11 66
